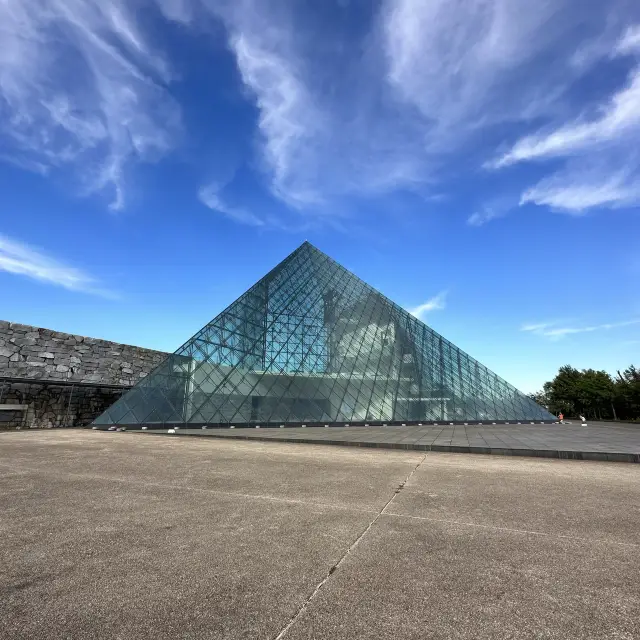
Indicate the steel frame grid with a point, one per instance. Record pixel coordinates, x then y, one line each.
311 342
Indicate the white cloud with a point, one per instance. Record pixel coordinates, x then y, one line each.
617 38
492 209
290 121
378 113
553 331
603 169
427 79
178 10
82 88
486 214
603 165
326 128
619 119
629 43
436 303
210 196
575 191
455 59
21 259
387 105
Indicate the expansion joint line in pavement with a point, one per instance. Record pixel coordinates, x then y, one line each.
164 485
353 545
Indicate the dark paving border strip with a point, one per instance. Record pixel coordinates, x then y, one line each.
533 453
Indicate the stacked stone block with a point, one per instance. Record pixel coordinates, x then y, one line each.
55 405
36 354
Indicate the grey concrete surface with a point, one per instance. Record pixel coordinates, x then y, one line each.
614 442
122 536
515 493
413 579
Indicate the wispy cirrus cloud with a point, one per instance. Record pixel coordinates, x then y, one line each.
602 161
390 114
290 121
22 259
387 105
619 118
492 210
436 303
484 215
457 61
629 42
326 126
586 185
210 195
431 78
555 331
218 195
82 88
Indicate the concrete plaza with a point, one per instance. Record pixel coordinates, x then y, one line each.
117 535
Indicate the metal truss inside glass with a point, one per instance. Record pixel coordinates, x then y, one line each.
311 343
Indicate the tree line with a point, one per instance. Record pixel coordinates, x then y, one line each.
594 394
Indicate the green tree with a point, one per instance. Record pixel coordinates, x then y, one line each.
593 393
627 391
564 390
596 392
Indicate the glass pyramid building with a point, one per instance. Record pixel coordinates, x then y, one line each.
311 343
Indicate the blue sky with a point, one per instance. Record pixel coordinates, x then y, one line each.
477 161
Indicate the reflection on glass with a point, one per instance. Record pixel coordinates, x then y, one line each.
312 343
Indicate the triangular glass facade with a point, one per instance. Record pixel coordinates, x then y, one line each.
311 343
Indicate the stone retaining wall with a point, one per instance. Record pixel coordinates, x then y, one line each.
40 357
36 353
50 405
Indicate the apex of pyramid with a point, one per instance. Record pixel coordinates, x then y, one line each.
307 245
310 245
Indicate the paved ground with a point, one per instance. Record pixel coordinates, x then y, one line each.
597 441
116 535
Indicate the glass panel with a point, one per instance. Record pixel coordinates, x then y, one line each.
311 342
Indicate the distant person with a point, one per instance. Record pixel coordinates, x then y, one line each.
561 417
584 421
